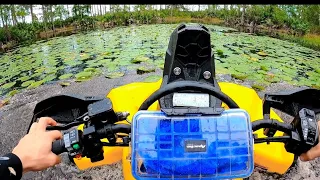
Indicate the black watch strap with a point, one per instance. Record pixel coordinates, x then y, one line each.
10 167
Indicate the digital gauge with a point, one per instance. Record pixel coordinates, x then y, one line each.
191 99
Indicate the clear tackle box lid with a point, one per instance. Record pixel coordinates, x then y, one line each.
193 146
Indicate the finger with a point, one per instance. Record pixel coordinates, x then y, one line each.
54 135
54 159
44 122
311 154
33 128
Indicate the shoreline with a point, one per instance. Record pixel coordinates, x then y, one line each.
259 30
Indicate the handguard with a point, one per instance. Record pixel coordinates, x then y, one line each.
192 146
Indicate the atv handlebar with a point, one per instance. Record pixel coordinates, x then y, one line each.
58 147
270 123
292 143
78 142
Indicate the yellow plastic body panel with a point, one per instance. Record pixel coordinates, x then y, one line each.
272 157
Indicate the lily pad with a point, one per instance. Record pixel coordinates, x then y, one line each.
286 78
8 85
152 78
112 67
94 71
272 79
219 52
35 84
24 78
139 59
82 79
27 83
36 75
258 87
49 78
264 68
143 70
12 93
84 57
239 76
119 50
316 86
114 75
73 63
253 59
65 76
52 71
161 66
83 76
263 54
64 84
106 53
40 70
89 70
124 63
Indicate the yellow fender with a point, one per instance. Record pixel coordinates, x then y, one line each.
272 157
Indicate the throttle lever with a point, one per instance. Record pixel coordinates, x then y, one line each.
306 133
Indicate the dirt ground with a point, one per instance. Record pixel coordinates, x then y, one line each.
15 118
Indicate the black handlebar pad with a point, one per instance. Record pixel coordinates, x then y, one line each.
123 128
270 123
58 147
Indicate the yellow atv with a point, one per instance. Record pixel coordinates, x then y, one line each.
187 125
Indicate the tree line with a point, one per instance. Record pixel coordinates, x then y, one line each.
298 19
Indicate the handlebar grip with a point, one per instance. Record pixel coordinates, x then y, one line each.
58 147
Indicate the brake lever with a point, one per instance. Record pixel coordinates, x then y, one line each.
79 120
64 127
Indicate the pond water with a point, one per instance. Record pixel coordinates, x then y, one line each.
119 50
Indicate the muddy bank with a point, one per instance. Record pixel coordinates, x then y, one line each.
15 118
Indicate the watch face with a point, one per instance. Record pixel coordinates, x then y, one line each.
4 158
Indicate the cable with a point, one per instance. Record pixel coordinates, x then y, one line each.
82 116
67 126
128 121
272 139
117 144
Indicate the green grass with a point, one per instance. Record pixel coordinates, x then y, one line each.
308 40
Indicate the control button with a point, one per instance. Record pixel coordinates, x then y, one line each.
75 146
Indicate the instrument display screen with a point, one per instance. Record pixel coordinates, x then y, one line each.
191 99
